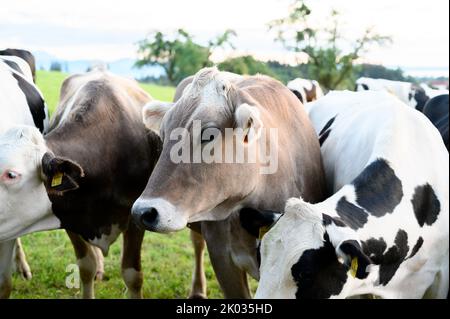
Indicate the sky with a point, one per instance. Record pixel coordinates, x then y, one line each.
108 30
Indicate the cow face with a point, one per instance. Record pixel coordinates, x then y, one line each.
306 256
187 186
24 204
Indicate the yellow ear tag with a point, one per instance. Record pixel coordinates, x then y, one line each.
354 267
57 179
262 231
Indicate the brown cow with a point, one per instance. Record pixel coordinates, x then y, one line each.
186 192
85 173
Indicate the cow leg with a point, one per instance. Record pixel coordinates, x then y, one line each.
6 267
198 287
21 261
231 278
87 263
100 263
131 260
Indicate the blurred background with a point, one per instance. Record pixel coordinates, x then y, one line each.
389 38
161 42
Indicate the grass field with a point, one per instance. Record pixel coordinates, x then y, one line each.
167 259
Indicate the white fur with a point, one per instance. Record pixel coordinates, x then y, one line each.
69 106
133 279
370 125
169 218
22 64
430 92
300 85
105 240
25 205
248 118
13 103
401 90
153 114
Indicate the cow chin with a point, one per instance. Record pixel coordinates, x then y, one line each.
158 215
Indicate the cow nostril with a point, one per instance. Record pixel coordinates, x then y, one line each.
149 217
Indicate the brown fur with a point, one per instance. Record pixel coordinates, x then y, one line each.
104 136
221 188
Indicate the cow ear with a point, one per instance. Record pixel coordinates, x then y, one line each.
153 113
60 175
257 223
347 246
249 119
354 257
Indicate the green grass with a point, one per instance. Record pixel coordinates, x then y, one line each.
167 260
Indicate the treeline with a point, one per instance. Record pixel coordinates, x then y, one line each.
332 58
248 65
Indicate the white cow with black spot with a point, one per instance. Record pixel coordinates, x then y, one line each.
409 93
385 231
20 103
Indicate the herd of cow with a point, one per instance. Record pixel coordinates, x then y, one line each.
358 207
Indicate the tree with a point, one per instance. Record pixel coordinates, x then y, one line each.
380 72
179 55
328 63
245 65
286 73
55 66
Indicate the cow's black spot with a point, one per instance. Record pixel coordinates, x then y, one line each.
328 220
324 136
392 259
378 189
365 86
325 131
318 273
34 101
416 247
350 214
426 205
327 125
298 95
436 110
13 65
374 248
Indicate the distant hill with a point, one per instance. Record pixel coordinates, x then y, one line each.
122 67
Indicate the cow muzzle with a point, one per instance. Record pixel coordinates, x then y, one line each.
157 215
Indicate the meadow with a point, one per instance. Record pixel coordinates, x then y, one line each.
167 259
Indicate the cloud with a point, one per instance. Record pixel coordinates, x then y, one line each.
109 29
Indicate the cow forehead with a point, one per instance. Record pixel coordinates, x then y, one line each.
21 147
208 102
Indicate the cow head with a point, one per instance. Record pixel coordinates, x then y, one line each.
24 203
306 256
187 186
418 97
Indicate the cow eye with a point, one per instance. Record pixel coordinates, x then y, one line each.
10 176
